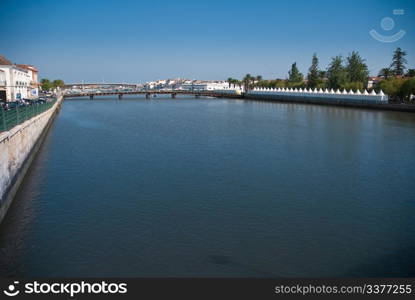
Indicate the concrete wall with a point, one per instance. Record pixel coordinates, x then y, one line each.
18 146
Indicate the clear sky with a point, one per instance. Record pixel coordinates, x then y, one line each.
137 41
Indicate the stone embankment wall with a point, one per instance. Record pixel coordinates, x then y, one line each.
18 146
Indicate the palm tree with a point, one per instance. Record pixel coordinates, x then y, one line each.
230 81
247 81
385 73
238 83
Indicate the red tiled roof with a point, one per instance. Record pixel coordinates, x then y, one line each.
23 66
4 61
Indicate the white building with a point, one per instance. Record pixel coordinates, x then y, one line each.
187 84
20 82
204 86
34 83
373 81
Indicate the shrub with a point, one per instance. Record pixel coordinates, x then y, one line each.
357 85
407 89
392 87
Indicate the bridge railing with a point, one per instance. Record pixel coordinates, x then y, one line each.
70 93
17 115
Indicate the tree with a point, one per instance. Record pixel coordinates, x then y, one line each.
407 89
410 73
237 82
294 75
247 81
385 73
58 83
355 85
280 83
392 87
356 69
313 77
230 81
258 81
398 62
336 73
46 84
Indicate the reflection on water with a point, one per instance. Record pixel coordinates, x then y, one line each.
216 188
22 214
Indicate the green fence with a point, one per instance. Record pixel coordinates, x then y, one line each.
12 117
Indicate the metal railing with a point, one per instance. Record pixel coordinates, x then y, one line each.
17 115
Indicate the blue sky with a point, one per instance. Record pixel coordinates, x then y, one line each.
136 41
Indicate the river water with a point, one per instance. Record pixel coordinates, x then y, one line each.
216 187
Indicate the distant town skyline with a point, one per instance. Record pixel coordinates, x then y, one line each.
127 41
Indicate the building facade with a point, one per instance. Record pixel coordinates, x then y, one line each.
204 86
187 84
19 81
34 82
373 81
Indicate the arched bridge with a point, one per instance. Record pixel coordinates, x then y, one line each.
149 93
99 85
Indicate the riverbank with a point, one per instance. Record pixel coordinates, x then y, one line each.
18 147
